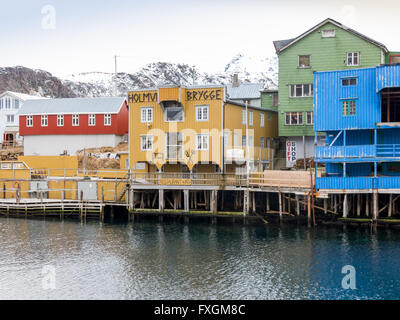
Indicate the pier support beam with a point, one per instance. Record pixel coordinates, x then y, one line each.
358 205
297 205
246 202
214 201
367 205
325 206
390 209
161 200
267 202
280 206
186 200
309 210
345 206
375 206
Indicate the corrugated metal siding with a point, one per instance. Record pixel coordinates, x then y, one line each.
387 77
329 95
345 183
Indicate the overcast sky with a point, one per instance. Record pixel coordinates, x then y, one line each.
84 35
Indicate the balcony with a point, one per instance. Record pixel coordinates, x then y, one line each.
357 183
238 154
359 152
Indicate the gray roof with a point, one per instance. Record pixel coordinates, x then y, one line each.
281 45
244 91
72 106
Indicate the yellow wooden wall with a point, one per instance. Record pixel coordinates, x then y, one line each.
190 127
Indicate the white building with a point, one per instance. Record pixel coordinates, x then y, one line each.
10 103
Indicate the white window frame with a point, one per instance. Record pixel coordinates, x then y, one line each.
16 103
75 120
328 33
298 117
146 142
44 120
298 61
262 145
312 118
146 114
60 120
202 142
107 119
244 117
262 120
92 120
251 118
7 103
29 121
9 117
179 156
296 86
200 115
351 55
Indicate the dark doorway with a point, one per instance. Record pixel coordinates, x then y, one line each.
390 105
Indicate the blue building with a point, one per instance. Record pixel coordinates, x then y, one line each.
359 113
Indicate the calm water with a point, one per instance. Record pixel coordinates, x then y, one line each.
148 260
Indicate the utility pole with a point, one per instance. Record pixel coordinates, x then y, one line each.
115 75
247 143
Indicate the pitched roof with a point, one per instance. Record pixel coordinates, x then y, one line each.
244 91
21 96
281 45
72 106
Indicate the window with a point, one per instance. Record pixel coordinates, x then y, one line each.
294 118
202 142
16 103
328 33
244 140
251 141
349 82
235 140
174 114
251 117
201 113
309 118
262 142
29 121
1 103
75 120
353 59
301 90
349 108
146 143
107 119
8 103
10 118
305 61
60 120
92 119
44 121
174 145
262 120
146 114
275 99
244 117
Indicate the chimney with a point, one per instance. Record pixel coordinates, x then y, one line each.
235 82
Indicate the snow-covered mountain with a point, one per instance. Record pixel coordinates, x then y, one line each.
96 84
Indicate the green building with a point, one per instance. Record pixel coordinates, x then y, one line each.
327 46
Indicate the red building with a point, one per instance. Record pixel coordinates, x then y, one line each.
64 126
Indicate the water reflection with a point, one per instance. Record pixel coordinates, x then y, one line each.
149 260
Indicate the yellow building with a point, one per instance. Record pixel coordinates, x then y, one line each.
196 129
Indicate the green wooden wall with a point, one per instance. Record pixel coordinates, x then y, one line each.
326 54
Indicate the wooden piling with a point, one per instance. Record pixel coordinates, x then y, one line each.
375 213
161 200
345 206
280 206
297 205
186 200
